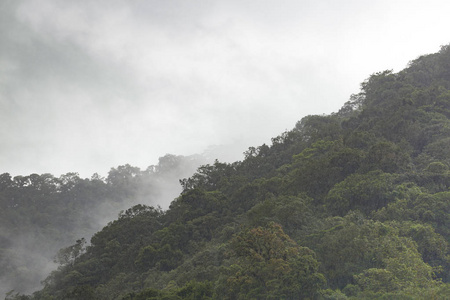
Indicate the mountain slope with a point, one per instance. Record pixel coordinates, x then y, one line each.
351 205
39 214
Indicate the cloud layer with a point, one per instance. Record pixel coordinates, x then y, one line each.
86 85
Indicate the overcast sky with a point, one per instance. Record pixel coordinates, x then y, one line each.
90 85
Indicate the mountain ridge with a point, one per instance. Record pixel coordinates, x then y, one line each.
351 205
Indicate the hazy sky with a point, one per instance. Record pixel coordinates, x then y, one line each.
90 85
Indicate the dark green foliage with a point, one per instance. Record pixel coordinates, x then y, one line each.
193 290
267 264
365 192
353 205
40 214
164 258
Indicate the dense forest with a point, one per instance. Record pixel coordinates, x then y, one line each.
40 214
352 205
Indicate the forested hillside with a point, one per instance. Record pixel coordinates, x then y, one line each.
39 214
352 205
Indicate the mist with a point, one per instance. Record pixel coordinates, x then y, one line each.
90 85
86 86
30 237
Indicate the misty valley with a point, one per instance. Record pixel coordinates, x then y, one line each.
350 205
40 214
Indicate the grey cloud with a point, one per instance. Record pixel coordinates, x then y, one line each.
86 85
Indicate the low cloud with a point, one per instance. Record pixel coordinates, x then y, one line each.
89 85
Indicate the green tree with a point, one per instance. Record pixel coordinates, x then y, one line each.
403 269
364 192
268 264
68 255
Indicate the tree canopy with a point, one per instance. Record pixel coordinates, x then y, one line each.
352 205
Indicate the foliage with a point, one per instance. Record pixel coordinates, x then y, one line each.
352 205
268 264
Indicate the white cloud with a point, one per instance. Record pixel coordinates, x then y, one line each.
90 85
